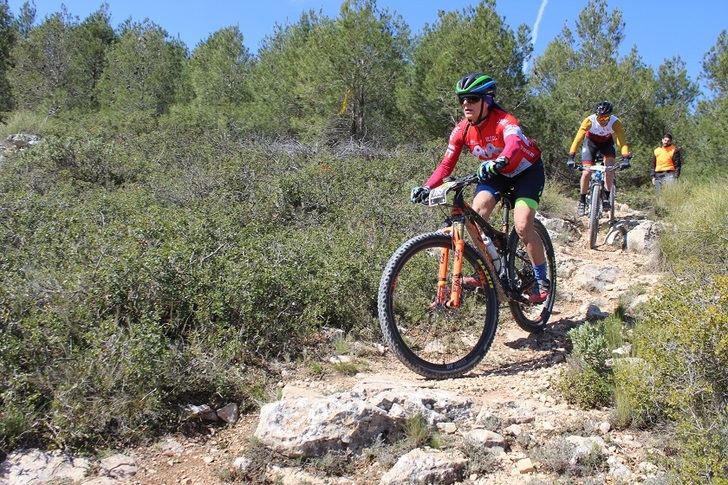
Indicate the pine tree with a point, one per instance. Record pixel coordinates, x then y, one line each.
218 69
7 39
143 70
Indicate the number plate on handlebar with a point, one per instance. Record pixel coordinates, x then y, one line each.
438 195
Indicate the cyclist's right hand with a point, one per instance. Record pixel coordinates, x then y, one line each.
570 163
625 162
419 194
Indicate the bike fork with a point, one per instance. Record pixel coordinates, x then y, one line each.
456 288
441 298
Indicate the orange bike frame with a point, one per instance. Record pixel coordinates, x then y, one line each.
456 232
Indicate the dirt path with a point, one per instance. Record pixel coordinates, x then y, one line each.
519 371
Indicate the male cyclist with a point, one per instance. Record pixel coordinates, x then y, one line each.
598 129
511 160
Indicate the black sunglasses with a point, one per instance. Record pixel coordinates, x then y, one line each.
469 98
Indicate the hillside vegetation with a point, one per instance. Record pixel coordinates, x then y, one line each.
191 217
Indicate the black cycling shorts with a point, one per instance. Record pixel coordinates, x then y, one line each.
590 149
527 184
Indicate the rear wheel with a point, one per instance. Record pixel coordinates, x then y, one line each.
530 317
594 209
428 337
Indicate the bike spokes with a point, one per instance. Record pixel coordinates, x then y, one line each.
425 331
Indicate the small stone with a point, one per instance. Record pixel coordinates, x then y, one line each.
397 412
525 466
647 468
547 426
448 428
171 447
118 466
242 463
485 438
229 413
622 351
208 459
604 427
341 359
202 411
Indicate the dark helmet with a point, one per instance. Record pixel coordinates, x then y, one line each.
603 108
477 83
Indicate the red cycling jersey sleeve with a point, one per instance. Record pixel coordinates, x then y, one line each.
499 134
450 159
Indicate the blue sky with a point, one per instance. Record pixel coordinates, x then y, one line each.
659 29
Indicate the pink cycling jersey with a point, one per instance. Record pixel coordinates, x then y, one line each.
498 134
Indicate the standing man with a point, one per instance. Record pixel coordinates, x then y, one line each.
666 163
598 132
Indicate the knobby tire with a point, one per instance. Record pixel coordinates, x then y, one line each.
594 209
421 335
531 318
612 198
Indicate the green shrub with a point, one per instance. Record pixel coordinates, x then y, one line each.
696 238
146 271
557 456
586 387
23 122
683 341
636 398
588 381
590 346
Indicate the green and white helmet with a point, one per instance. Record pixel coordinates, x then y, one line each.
475 83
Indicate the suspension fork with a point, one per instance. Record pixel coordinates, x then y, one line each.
456 287
442 296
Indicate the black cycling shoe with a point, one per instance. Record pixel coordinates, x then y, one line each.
581 209
606 205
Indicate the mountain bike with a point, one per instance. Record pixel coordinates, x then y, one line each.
595 194
439 294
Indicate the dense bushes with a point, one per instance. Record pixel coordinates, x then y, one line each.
697 214
141 272
677 371
682 343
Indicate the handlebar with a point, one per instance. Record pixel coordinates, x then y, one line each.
605 168
463 181
598 168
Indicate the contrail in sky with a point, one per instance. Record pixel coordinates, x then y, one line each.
536 25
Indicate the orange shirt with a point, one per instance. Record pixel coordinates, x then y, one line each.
664 159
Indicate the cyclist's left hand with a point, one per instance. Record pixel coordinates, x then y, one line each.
491 167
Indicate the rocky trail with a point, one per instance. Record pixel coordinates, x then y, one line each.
505 422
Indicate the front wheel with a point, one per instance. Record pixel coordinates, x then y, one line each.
530 317
594 209
429 337
612 197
